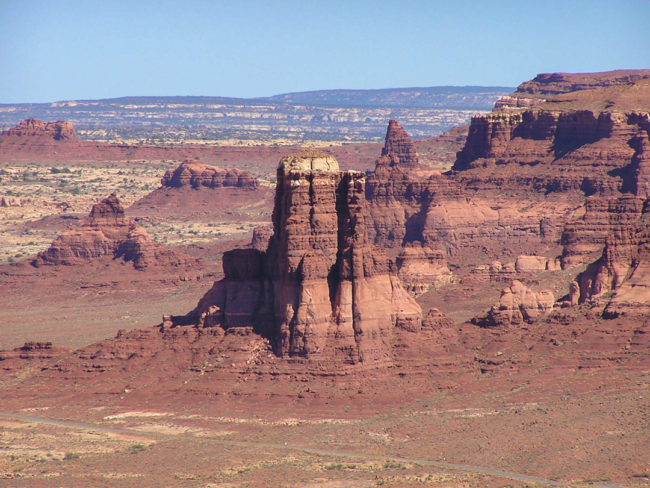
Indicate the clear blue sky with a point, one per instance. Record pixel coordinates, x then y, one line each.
62 50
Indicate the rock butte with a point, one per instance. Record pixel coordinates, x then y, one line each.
320 290
197 175
108 232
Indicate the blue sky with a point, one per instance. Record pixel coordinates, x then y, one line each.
63 50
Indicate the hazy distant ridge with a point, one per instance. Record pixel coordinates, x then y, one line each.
324 115
452 97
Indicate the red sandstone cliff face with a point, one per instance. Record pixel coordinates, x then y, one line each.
108 232
549 85
521 183
557 156
421 268
474 219
197 175
620 278
556 151
321 290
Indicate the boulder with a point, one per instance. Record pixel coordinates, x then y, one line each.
518 305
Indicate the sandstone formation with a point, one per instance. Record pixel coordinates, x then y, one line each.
421 268
30 128
506 272
261 236
473 219
549 85
108 232
320 290
33 351
522 180
621 276
518 305
399 146
196 175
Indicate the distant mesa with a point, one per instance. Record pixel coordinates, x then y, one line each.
58 131
191 173
548 86
200 191
108 232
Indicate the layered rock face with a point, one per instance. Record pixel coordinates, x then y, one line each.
108 232
621 276
552 151
398 145
421 268
320 290
583 239
506 272
57 131
474 219
549 85
193 174
560 150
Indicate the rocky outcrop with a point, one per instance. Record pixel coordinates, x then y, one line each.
261 236
620 278
472 218
549 85
399 146
518 305
554 150
321 290
196 175
33 351
108 232
421 268
34 128
506 272
583 239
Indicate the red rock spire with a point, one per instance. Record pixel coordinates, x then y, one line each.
399 144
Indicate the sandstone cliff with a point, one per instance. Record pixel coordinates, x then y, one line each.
421 268
522 180
551 85
472 218
620 278
108 232
320 290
